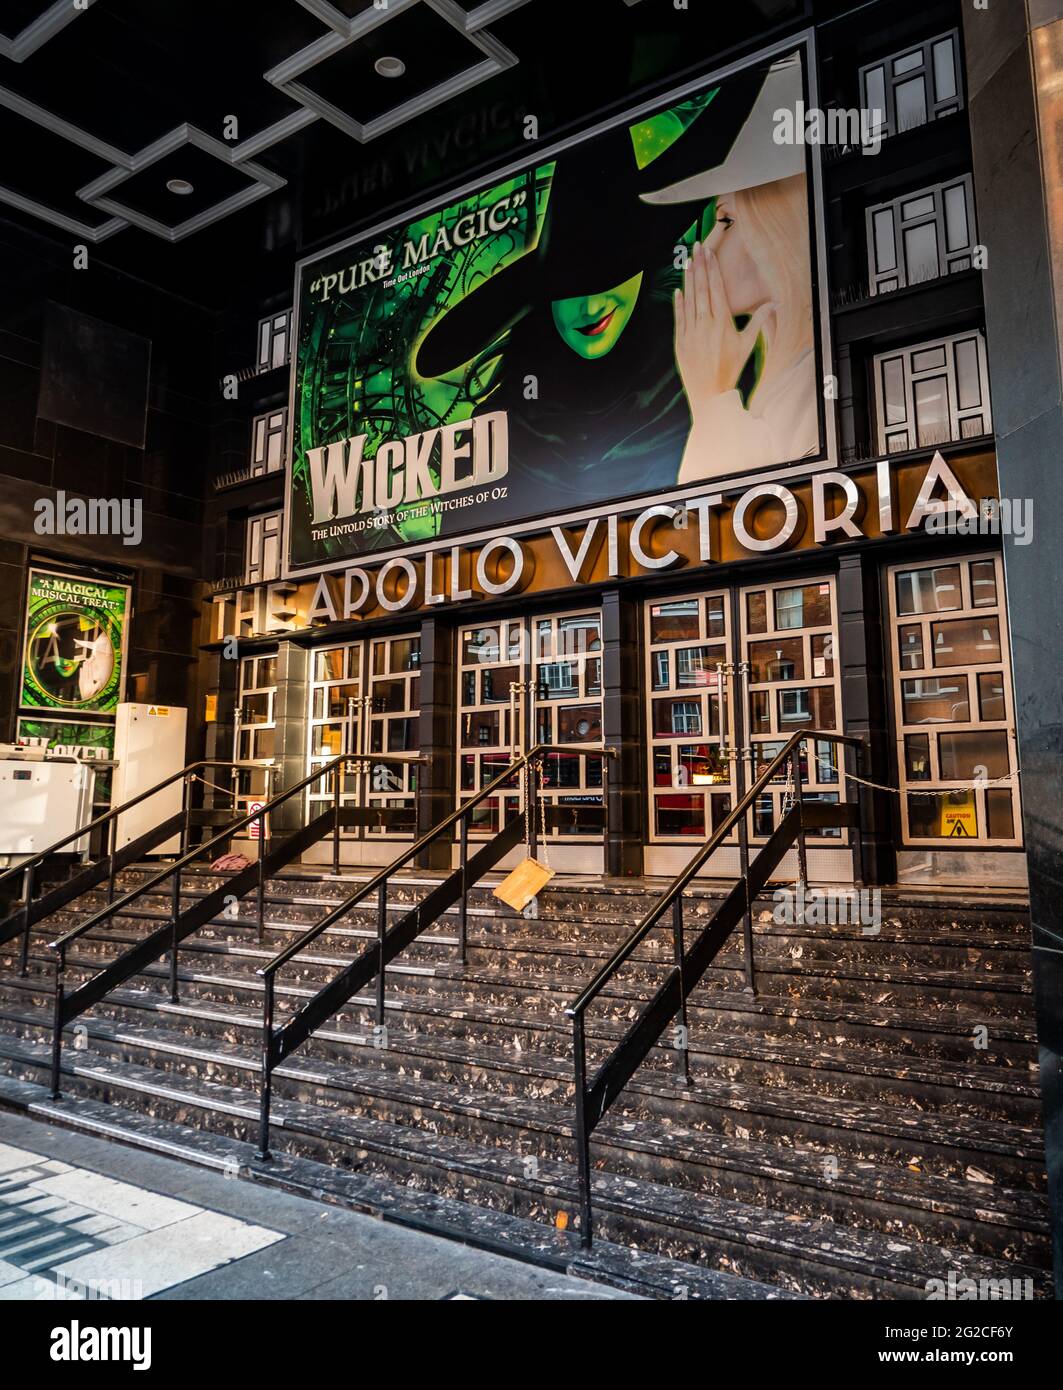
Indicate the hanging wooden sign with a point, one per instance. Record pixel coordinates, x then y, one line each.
525 882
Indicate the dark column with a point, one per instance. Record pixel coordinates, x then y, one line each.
864 710
622 728
436 776
1028 420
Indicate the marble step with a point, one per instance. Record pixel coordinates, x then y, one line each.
948 1035
615 1266
751 1138
812 1255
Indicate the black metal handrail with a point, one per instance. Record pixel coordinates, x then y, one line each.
277 1044
592 1101
28 913
168 937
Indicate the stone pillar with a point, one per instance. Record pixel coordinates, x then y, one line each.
290 706
436 776
1006 45
864 712
623 729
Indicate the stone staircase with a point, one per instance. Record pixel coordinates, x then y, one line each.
867 1123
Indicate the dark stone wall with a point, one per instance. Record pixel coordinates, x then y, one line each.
168 475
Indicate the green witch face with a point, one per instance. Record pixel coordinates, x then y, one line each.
592 325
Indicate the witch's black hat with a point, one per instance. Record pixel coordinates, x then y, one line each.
596 226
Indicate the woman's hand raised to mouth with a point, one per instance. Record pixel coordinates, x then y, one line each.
710 350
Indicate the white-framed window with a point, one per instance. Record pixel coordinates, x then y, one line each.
268 438
922 236
917 85
274 341
263 549
932 393
256 729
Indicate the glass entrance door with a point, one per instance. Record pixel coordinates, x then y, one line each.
526 681
365 699
731 675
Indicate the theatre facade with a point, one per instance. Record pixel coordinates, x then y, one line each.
674 438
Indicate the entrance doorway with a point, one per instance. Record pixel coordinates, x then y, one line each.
731 674
524 681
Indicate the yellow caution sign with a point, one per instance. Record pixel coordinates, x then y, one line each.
959 818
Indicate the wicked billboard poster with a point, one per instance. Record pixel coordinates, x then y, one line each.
75 643
635 315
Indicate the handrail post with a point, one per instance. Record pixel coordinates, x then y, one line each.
683 1050
799 802
112 867
463 908
532 795
747 919
381 932
175 913
260 891
57 1023
583 1148
27 892
267 1070
186 806
336 776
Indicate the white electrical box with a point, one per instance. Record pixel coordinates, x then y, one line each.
42 800
149 745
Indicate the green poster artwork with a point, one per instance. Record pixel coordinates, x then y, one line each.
75 643
634 313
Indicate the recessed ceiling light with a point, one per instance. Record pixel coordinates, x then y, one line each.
390 67
179 186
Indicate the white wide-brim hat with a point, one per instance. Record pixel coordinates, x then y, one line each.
756 157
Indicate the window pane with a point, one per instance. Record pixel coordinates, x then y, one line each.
991 702
910 98
783 660
714 618
893 398
936 701
966 757
936 816
917 757
495 684
760 712
702 766
911 648
822 657
909 62
696 666
967 642
984 584
932 411
661 671
805 607
674 622
681 815
945 70
677 718
336 700
480 728
929 590
921 253
1000 814
757 612
968 376
918 207
406 654
480 644
875 96
885 241
579 724
807 708
957 230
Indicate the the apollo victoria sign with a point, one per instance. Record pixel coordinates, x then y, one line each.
882 500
